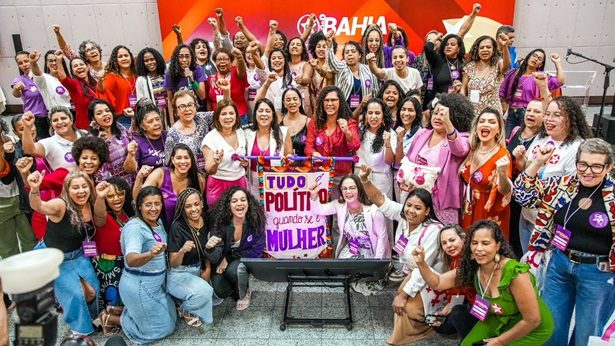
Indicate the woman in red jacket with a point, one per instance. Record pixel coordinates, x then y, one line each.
118 83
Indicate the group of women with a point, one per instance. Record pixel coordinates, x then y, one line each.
145 186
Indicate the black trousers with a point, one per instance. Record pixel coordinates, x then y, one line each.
459 321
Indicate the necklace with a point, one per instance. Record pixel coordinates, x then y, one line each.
489 150
480 285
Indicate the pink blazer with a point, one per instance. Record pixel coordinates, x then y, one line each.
448 191
374 221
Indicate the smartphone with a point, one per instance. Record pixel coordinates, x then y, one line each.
431 319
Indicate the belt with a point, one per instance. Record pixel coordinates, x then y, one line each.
142 273
580 257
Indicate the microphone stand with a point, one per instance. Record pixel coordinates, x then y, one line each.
607 80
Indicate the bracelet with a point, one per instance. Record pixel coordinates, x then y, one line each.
195 85
451 133
32 192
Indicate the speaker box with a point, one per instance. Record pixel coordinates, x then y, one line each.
607 128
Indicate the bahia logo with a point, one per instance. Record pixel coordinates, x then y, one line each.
349 26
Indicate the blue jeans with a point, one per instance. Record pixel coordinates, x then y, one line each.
525 232
196 295
567 284
514 119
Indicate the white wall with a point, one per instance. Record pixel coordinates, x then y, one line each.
133 23
586 25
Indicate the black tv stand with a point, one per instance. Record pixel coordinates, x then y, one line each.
336 281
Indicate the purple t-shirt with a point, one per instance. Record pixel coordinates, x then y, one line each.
527 89
198 75
150 152
31 97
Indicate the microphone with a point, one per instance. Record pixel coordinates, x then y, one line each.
568 52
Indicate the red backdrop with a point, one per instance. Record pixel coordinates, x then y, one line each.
348 18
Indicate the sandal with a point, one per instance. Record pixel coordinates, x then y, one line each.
107 328
244 302
190 319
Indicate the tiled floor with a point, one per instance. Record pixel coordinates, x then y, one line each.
260 324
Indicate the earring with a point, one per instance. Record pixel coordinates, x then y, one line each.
497 258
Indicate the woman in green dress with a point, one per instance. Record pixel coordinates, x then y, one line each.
487 263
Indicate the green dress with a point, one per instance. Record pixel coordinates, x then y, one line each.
503 312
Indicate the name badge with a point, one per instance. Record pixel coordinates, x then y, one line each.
251 94
354 247
430 83
132 99
561 238
474 96
89 249
355 100
161 100
400 246
480 308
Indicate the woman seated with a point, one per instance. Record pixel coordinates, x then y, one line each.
240 223
70 230
362 226
445 311
190 256
149 312
500 281
112 209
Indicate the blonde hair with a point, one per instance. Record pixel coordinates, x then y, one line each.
74 213
500 137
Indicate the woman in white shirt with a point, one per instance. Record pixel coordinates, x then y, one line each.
219 147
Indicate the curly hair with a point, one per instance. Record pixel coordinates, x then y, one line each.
216 116
363 198
577 124
274 126
95 131
284 109
82 53
114 66
75 215
161 65
387 84
316 38
95 144
88 86
147 107
193 171
147 192
176 73
223 216
287 79
466 273
461 110
510 93
418 108
462 47
343 112
387 120
121 185
304 53
364 42
198 40
474 53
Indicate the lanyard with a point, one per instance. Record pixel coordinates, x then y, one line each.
480 286
566 217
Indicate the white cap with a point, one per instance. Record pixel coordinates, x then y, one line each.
30 270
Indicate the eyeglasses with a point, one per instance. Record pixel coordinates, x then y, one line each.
156 205
91 49
596 168
183 107
223 59
538 57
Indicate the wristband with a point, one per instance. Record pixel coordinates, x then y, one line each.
451 133
195 85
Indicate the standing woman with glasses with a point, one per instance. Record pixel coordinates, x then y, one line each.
149 312
231 67
117 84
519 86
184 74
576 220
